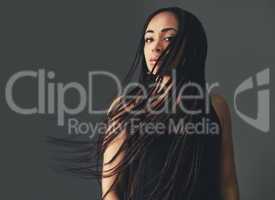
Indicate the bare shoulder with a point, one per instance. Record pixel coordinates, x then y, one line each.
114 103
221 107
126 103
114 123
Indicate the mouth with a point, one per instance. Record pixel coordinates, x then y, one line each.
153 61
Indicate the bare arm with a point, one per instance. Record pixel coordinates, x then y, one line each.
109 153
229 176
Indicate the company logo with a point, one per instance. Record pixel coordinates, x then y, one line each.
262 121
52 95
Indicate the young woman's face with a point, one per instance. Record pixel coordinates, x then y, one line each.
159 33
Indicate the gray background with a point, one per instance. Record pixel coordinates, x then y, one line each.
73 38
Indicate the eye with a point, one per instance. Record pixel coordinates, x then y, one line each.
148 40
169 38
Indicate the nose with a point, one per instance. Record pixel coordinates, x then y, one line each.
157 47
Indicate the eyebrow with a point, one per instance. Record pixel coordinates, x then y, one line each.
163 30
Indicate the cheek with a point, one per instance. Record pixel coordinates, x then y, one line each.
146 54
147 57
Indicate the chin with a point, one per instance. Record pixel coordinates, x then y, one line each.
151 68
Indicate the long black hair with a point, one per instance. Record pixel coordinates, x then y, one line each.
185 57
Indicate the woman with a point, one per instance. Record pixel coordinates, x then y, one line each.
169 167
169 164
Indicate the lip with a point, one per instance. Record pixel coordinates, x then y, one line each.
153 60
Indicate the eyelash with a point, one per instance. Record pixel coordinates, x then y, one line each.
150 38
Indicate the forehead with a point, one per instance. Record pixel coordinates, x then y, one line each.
163 20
